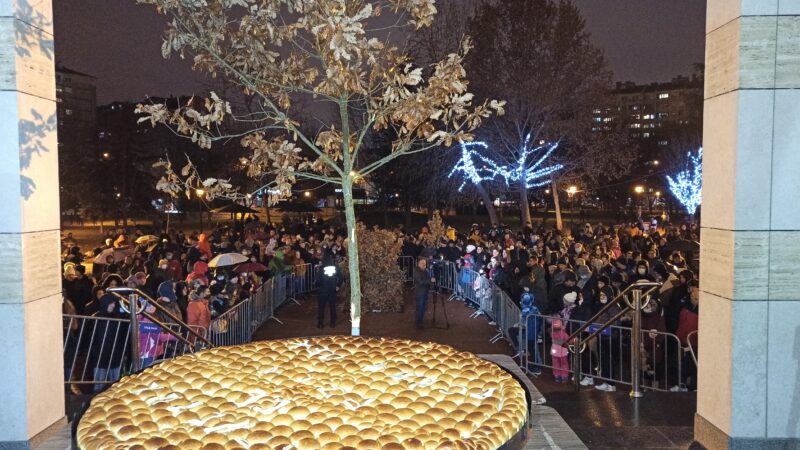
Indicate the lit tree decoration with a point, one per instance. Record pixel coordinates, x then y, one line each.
527 167
687 184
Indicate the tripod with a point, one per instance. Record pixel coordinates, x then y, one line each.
439 298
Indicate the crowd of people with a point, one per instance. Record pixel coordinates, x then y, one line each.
173 270
566 276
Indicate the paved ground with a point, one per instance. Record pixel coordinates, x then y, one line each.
471 335
604 420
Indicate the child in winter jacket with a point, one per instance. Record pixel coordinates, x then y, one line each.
559 353
151 338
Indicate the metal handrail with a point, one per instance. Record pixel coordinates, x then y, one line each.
609 305
575 340
161 309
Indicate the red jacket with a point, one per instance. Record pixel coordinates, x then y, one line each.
198 314
687 323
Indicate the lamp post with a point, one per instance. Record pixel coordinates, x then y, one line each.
200 194
571 191
639 190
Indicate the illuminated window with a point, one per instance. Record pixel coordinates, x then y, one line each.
68 112
663 96
663 115
636 125
645 135
663 143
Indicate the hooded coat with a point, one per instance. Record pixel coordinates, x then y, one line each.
203 245
198 273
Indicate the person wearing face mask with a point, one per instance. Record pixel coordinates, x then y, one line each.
641 272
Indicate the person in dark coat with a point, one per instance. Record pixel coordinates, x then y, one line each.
555 299
329 280
110 337
422 284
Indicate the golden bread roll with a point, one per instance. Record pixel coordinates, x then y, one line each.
324 393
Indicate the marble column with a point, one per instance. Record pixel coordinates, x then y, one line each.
749 371
32 397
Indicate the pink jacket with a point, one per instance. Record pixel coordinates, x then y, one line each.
152 339
559 337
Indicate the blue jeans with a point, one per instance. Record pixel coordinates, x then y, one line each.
422 303
147 362
105 375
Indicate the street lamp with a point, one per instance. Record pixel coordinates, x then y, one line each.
571 191
307 194
200 193
638 189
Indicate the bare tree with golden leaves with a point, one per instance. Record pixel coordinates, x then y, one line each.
337 52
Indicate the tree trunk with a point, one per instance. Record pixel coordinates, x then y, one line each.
487 201
525 208
557 204
352 257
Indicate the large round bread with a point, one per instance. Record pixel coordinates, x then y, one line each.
332 392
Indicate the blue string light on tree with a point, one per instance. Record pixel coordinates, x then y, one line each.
526 168
687 184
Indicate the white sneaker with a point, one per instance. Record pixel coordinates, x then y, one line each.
606 387
587 381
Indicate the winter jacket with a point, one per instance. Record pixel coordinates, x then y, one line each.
198 314
152 338
198 273
204 246
109 338
559 337
277 264
687 323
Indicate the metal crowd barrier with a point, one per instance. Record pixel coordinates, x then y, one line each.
605 358
97 351
478 292
690 348
237 325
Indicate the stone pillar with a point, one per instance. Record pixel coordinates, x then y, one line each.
32 397
749 372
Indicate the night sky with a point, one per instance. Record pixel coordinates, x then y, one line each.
119 42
